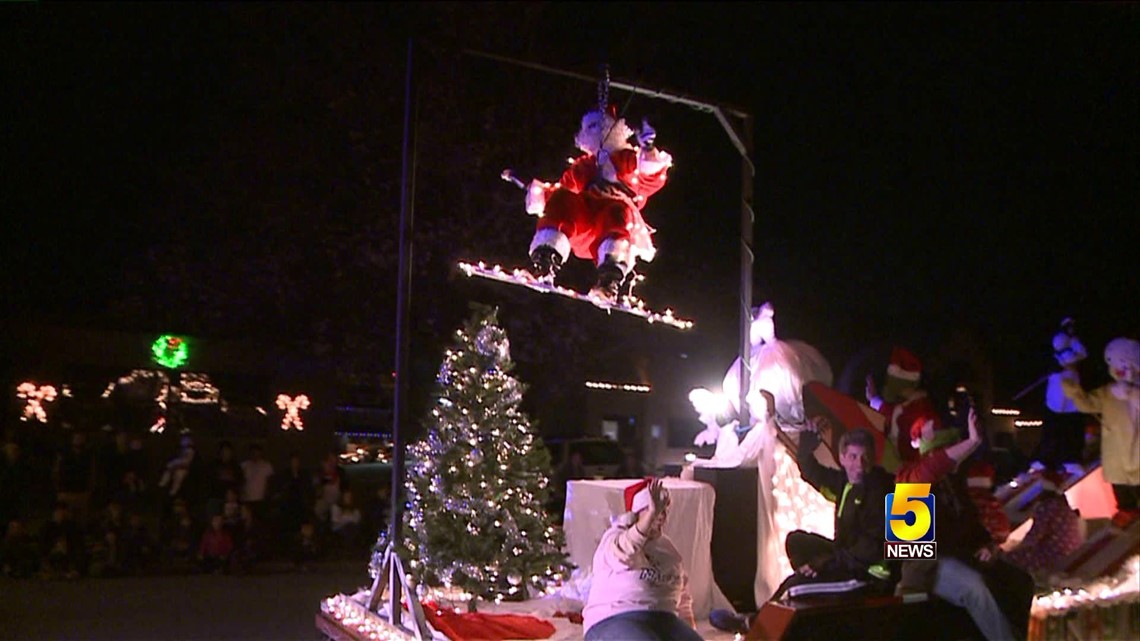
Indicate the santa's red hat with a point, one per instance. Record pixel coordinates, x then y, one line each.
1052 481
637 495
904 365
981 474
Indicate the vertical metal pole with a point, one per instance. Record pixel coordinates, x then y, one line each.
403 294
747 221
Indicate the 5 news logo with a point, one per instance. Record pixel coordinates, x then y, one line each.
909 523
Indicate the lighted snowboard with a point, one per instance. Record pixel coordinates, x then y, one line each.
626 304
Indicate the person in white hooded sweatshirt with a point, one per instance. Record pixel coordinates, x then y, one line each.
640 590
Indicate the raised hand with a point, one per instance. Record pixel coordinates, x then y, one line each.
870 391
647 135
658 496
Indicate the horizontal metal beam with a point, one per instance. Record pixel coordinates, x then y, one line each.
660 94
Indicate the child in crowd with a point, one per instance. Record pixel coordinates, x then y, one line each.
216 546
18 558
305 547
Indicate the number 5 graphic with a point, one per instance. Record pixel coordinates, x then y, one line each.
910 513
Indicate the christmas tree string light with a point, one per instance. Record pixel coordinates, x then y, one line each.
478 482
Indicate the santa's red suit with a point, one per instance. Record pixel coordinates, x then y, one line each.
590 207
902 418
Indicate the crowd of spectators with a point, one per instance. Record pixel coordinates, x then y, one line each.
103 507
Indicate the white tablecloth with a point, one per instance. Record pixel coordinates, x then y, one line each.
591 504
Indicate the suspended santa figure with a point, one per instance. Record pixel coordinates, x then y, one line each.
594 211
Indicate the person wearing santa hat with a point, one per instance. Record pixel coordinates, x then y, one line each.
903 400
1056 530
640 590
969 572
939 450
595 209
980 483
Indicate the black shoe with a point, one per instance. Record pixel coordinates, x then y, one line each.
610 278
545 263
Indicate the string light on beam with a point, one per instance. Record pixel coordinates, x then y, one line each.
35 397
619 387
1001 411
292 408
1028 423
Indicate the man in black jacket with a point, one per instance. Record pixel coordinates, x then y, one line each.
859 491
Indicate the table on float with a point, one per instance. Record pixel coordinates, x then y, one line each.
591 504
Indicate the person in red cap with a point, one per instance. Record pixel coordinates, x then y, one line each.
939 450
595 209
640 590
970 571
903 401
1056 530
980 483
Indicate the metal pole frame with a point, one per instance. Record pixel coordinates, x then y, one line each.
403 296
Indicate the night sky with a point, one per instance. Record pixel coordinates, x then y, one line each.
920 167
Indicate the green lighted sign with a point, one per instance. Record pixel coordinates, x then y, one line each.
170 351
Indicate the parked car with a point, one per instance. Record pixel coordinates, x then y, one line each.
601 457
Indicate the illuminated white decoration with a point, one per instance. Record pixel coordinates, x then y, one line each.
35 397
1001 411
1028 423
1122 587
798 505
292 408
620 387
355 618
159 425
630 304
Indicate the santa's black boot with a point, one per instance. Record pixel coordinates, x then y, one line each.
545 263
610 278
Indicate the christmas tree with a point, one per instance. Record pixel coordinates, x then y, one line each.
479 481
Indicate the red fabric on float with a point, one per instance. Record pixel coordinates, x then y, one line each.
477 626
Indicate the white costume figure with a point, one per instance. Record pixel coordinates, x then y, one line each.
1118 404
785 502
1062 441
779 367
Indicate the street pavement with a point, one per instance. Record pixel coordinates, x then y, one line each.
275 603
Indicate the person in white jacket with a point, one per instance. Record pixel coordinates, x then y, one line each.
640 590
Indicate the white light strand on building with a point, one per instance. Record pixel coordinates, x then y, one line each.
1123 587
35 397
1028 423
1001 411
292 407
197 389
619 387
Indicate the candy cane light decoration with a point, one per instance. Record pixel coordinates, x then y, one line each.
35 397
292 408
